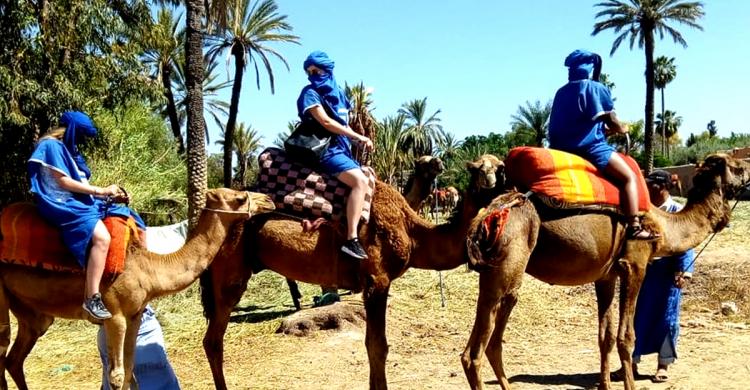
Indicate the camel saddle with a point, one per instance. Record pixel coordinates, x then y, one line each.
29 240
299 191
565 180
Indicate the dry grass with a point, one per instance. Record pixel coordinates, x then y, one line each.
552 329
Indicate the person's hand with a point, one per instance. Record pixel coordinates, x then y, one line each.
680 280
111 190
365 143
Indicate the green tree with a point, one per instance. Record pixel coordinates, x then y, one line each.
447 145
249 27
164 44
283 135
389 159
664 72
361 119
421 128
712 128
533 120
670 123
246 144
639 21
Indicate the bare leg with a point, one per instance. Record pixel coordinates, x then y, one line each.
620 170
376 300
605 294
357 182
97 258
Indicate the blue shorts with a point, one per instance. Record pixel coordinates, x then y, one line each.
338 158
598 154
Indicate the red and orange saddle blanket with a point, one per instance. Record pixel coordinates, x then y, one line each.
565 180
299 191
30 240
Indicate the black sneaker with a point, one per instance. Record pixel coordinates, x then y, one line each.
95 307
354 249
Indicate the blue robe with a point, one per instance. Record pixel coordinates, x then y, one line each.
657 312
73 213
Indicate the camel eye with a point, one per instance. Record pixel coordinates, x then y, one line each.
242 199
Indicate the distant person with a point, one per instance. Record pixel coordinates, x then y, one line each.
321 97
657 313
64 197
582 116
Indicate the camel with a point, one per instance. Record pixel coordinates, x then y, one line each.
395 238
36 296
451 198
573 248
419 184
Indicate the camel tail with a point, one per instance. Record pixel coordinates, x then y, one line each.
207 294
485 239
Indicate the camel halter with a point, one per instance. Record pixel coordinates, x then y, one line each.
220 211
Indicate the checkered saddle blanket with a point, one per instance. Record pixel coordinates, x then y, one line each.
302 192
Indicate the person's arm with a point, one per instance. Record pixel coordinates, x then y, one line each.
612 123
335 127
68 184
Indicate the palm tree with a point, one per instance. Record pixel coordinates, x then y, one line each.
604 79
669 122
164 48
249 27
282 136
215 107
361 120
196 124
421 129
533 120
246 143
447 145
389 159
664 72
639 20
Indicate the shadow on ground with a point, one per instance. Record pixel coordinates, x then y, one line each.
254 314
578 381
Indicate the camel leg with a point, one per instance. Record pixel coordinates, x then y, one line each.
633 269
605 293
376 300
4 335
131 334
494 351
31 326
116 329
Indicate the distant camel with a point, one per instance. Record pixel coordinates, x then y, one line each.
395 238
573 248
419 184
36 296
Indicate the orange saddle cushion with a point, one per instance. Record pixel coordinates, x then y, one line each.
28 239
569 180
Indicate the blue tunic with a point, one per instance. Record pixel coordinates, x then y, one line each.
73 213
657 312
573 124
338 158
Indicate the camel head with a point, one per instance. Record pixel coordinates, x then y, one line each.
721 172
428 167
237 204
487 172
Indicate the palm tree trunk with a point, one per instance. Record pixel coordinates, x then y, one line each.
239 67
663 127
196 123
174 121
242 170
649 128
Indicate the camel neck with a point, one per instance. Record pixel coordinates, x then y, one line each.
175 271
690 226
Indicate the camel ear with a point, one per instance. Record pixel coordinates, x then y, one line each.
473 165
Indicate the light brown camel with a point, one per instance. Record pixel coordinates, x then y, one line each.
419 184
574 248
36 296
395 238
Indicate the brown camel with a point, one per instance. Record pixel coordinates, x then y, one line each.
419 184
395 238
36 296
574 248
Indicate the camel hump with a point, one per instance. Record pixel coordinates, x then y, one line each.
568 180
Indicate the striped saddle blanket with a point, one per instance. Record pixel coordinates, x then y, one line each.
302 192
29 240
565 180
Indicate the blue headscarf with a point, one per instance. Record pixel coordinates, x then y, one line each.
581 64
78 126
325 85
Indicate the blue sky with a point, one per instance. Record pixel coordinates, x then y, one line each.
477 61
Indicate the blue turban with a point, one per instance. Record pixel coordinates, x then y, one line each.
325 85
78 126
581 64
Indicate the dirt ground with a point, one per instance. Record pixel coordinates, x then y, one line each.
550 342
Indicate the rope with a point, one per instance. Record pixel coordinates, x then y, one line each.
710 238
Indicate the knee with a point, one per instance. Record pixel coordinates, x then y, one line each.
361 181
101 239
